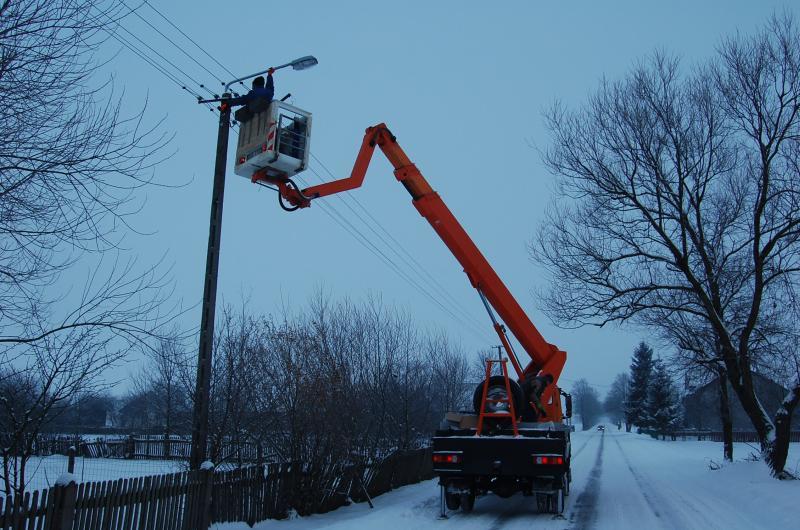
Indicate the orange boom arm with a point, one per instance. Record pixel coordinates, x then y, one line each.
543 356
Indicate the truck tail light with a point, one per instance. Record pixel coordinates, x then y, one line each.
549 460
446 458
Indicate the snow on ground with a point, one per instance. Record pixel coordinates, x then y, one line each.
42 472
620 481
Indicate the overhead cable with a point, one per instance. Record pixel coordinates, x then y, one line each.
159 54
187 54
402 253
179 30
348 226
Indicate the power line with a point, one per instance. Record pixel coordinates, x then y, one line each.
172 77
372 248
187 54
406 256
166 73
179 30
176 67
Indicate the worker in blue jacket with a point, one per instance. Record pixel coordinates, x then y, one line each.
257 99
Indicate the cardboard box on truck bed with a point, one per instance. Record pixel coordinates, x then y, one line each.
465 421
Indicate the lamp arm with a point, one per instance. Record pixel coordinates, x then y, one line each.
227 87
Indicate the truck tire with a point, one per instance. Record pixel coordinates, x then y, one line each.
452 500
467 501
498 381
542 502
559 500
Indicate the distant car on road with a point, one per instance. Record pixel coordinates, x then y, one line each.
601 427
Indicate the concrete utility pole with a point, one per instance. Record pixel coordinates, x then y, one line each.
202 388
204 353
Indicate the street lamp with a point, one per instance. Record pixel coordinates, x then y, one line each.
301 63
203 384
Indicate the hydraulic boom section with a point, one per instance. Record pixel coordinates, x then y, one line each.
544 357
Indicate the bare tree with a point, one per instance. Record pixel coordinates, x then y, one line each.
587 403
614 403
699 357
680 196
163 382
40 384
235 342
349 382
71 165
452 381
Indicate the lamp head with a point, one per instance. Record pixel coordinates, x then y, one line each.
304 62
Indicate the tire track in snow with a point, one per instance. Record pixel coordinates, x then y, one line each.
644 489
585 509
506 517
582 447
681 511
667 513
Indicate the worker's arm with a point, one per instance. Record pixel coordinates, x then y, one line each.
240 100
270 87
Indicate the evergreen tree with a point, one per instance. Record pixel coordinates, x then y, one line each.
641 373
662 407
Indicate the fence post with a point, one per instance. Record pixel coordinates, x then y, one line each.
130 447
64 511
71 459
206 492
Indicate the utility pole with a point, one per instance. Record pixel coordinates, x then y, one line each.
499 352
204 352
202 388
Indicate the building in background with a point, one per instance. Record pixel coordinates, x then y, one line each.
702 405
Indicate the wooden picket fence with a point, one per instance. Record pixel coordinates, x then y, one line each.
194 500
143 448
169 502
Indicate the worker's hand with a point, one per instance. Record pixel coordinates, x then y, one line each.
270 71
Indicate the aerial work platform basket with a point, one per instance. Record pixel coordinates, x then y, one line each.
275 140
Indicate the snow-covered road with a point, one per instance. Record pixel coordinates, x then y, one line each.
620 481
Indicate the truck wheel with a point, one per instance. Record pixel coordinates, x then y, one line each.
542 502
566 481
452 500
558 500
497 385
467 501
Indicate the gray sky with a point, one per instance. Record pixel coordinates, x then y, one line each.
461 84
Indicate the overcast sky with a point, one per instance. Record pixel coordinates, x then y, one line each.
462 84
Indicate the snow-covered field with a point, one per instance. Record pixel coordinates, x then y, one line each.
620 481
42 472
